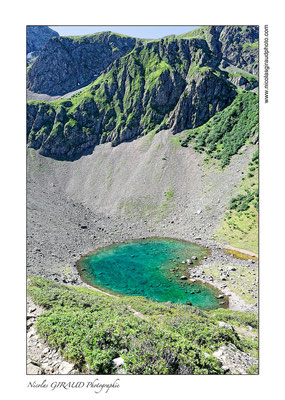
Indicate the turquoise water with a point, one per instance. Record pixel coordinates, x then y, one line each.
151 268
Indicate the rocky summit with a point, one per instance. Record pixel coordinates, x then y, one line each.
67 63
38 36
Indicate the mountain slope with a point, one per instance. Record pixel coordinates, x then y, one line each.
38 36
163 84
234 45
173 83
67 63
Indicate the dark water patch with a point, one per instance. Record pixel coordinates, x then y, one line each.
151 268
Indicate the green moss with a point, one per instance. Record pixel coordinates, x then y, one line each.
253 45
175 141
71 123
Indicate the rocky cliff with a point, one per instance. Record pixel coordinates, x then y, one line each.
67 63
38 36
174 83
234 45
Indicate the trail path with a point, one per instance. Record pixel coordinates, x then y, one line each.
250 253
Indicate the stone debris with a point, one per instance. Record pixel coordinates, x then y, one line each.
41 359
233 360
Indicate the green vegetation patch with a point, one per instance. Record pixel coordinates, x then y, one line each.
249 46
242 281
240 225
225 133
251 78
90 329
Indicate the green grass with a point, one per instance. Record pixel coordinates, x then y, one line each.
240 225
225 133
241 281
90 329
254 45
200 33
251 78
169 193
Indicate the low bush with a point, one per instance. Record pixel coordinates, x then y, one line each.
225 133
91 329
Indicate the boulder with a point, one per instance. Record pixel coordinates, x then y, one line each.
118 362
233 360
65 368
223 324
33 369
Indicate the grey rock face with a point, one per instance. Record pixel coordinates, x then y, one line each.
38 36
68 63
239 46
233 360
203 97
243 82
235 45
177 99
182 89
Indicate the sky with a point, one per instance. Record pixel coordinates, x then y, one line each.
144 32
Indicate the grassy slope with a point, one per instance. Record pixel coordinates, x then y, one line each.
219 139
144 67
240 225
225 133
242 281
90 329
119 94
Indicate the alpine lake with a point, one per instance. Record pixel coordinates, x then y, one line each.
151 268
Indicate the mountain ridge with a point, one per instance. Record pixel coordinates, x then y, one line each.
145 86
38 36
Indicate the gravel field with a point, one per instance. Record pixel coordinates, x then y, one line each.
118 193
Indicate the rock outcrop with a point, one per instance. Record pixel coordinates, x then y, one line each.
38 36
164 84
233 360
67 63
234 45
172 83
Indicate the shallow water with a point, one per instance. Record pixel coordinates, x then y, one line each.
145 268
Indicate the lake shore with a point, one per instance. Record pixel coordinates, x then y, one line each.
58 236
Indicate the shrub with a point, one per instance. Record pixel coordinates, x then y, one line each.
91 329
225 133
